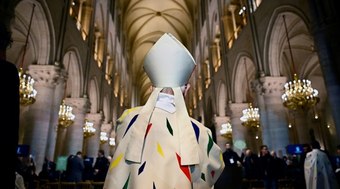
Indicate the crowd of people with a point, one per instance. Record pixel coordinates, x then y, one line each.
78 168
312 169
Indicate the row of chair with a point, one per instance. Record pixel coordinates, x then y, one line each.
70 185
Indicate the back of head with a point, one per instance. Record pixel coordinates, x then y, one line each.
315 144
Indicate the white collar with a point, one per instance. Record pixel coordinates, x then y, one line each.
166 102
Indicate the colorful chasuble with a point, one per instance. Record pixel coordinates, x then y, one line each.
161 167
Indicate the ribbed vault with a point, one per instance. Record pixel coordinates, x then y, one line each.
143 23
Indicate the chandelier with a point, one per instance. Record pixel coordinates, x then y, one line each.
66 117
88 129
103 137
26 90
251 116
226 130
112 142
298 94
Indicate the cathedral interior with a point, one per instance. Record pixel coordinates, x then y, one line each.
267 70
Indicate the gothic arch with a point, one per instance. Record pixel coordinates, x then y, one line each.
71 63
221 99
305 60
277 54
239 78
41 44
106 109
94 95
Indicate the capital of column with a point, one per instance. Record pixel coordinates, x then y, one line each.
94 117
273 86
113 134
106 127
237 108
79 105
44 75
220 119
269 86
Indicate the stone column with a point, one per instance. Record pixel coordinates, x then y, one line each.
276 128
22 122
93 143
301 126
112 147
37 124
239 131
325 27
74 138
53 132
106 127
218 121
258 89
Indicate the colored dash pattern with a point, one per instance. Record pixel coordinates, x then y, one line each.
186 170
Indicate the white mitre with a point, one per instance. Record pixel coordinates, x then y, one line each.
168 63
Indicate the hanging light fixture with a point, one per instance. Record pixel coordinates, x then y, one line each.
112 142
226 130
298 94
88 129
251 116
66 117
26 89
103 137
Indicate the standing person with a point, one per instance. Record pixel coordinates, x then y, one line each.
268 168
250 162
158 144
9 78
336 164
75 168
318 169
100 167
231 177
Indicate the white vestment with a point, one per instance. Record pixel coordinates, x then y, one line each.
318 171
160 166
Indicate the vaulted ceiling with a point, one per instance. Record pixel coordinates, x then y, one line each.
143 22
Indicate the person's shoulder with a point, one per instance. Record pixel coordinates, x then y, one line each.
8 66
9 70
131 112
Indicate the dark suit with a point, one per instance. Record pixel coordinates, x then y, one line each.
231 177
9 79
76 168
102 164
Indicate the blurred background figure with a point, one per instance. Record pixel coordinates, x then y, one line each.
101 167
231 177
75 168
318 169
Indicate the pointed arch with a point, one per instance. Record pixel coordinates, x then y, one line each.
41 39
94 95
71 63
239 77
221 99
